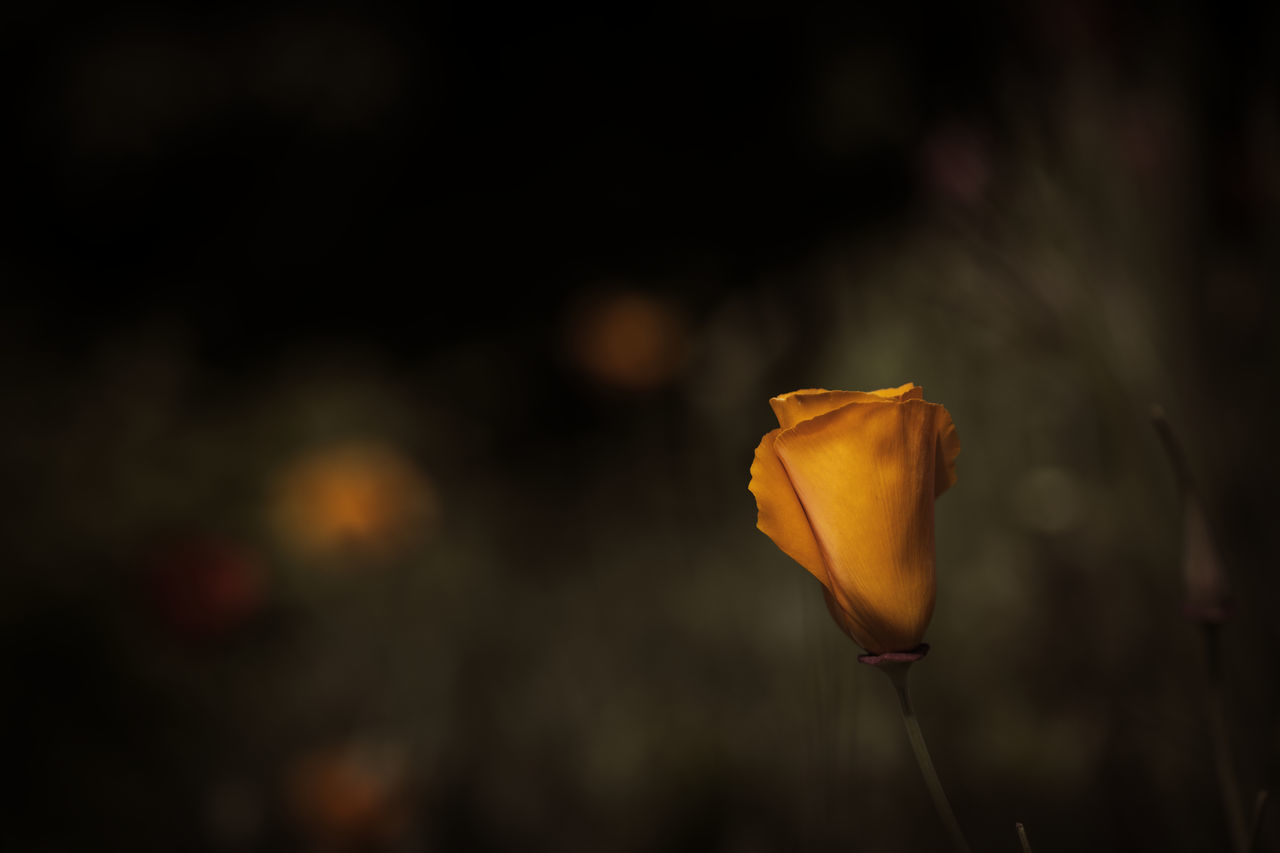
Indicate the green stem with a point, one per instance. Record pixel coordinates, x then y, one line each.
898 675
1216 708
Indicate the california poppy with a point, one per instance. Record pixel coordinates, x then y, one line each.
845 486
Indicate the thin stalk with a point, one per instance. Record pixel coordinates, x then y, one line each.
1022 838
1215 706
898 675
1259 809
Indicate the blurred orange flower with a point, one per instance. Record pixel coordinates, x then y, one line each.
629 340
361 498
354 795
845 486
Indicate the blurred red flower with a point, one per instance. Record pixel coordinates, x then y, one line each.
203 586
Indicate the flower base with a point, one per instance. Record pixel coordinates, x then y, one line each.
895 657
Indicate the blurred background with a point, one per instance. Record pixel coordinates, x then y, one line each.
381 383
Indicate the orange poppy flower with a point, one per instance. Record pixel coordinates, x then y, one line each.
845 486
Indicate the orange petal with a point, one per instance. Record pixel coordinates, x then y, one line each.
842 619
865 477
797 407
948 449
910 391
780 515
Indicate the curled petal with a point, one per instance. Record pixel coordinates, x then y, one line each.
948 447
909 391
799 406
781 517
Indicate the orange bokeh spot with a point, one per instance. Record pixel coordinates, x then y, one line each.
362 498
349 795
628 340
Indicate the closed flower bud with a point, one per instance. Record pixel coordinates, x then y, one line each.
1208 589
845 486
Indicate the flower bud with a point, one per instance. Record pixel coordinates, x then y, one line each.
1208 589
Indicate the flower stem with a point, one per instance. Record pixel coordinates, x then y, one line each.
1223 764
1259 809
898 675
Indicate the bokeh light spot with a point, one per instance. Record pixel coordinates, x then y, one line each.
355 499
628 340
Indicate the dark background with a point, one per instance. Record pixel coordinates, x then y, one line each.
381 384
